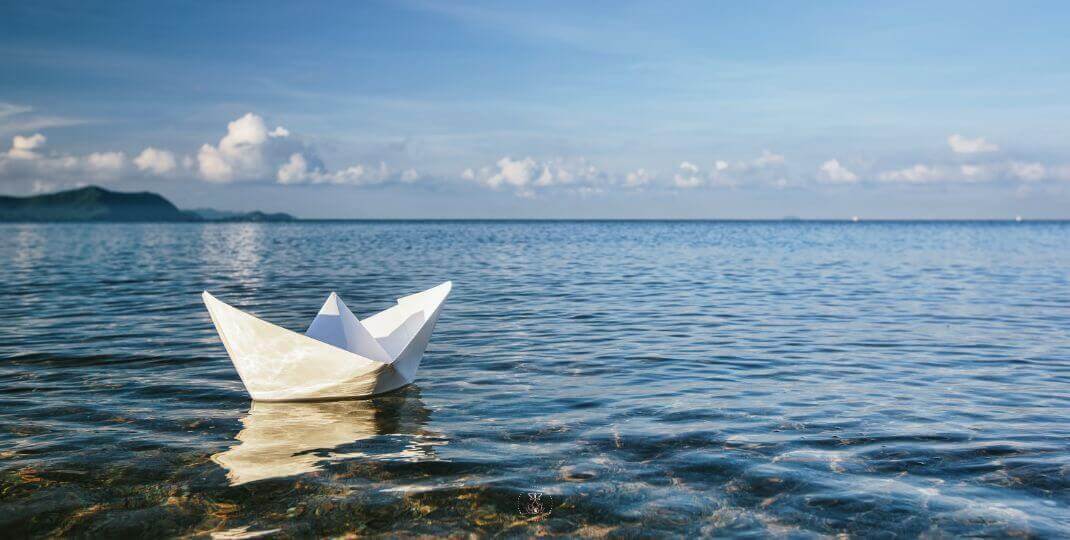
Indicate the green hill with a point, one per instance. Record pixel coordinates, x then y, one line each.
98 204
211 214
91 204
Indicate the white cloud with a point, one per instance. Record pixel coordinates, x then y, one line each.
293 171
247 152
518 172
766 169
527 174
832 172
10 109
239 151
359 175
1010 170
105 162
21 118
918 174
25 147
27 162
638 177
1028 172
688 176
155 161
213 166
767 159
297 170
963 145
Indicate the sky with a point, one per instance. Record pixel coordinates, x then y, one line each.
411 109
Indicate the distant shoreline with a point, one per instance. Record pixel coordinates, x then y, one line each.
93 204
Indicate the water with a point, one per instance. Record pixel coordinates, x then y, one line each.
796 379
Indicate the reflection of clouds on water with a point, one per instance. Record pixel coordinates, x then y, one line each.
287 439
29 246
235 248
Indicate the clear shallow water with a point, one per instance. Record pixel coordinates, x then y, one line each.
797 379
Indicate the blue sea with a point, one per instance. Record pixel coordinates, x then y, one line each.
762 379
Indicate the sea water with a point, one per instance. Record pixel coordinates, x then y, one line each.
585 378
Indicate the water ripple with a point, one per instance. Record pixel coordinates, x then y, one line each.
586 379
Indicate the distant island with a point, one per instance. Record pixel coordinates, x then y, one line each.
95 203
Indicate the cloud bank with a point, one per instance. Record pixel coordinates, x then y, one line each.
526 175
27 160
249 151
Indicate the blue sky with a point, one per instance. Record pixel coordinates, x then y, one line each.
594 109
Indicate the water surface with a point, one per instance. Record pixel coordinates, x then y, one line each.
678 378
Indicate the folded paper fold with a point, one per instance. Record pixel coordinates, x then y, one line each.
339 356
336 325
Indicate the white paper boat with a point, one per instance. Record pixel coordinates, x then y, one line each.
338 356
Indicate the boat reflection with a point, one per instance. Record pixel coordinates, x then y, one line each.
287 439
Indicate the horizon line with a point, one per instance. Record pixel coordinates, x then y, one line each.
578 220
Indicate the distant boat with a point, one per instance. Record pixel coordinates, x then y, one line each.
338 356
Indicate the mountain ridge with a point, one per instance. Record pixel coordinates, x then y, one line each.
97 204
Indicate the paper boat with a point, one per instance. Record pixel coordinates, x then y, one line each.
338 356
